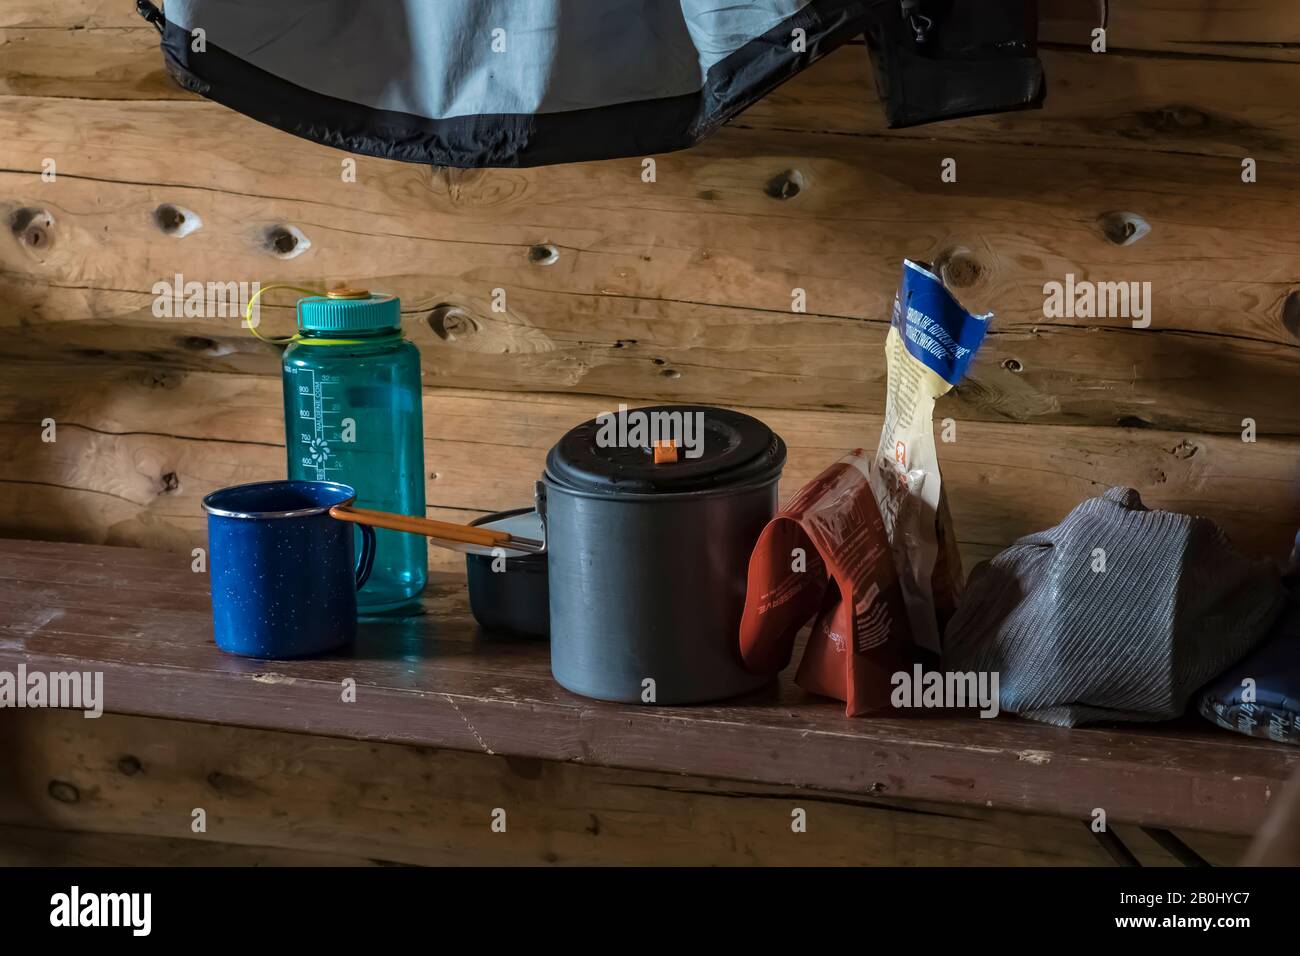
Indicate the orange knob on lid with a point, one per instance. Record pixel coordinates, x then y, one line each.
666 450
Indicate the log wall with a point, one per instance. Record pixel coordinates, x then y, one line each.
677 290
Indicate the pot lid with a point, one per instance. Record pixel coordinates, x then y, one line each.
666 449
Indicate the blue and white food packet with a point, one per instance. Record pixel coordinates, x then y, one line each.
930 345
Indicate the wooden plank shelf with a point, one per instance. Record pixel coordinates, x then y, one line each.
435 680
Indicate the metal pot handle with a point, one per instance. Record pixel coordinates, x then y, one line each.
539 501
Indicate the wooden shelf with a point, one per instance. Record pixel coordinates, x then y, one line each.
143 619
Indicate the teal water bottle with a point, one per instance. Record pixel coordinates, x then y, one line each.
352 414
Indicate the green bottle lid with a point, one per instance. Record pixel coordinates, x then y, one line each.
349 310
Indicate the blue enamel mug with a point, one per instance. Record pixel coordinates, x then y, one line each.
284 578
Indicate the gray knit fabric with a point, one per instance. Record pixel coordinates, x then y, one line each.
1174 607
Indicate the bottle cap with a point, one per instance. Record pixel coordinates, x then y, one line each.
349 310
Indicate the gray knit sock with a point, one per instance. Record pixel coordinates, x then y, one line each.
1072 643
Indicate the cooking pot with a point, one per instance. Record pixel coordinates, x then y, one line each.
648 517
648 541
508 594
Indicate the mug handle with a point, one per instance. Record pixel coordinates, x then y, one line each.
366 559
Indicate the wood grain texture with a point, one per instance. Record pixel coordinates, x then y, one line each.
69 14
1248 29
1043 375
436 681
679 290
1126 99
342 800
48 846
705 232
137 448
120 63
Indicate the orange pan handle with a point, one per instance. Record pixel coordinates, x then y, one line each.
429 528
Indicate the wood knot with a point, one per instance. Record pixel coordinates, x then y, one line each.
204 346
170 482
129 765
451 322
32 227
1013 365
285 241
785 185
157 378
176 221
198 343
543 254
1291 313
64 792
457 182
1175 118
231 784
1184 450
959 269
1123 228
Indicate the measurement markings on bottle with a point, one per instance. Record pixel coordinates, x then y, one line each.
315 406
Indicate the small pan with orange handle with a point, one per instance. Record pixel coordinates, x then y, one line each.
458 537
505 569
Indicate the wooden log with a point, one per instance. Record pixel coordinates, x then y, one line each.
1214 103
1127 99
121 63
648 351
44 846
705 232
1253 29
629 308
287 796
69 14
137 449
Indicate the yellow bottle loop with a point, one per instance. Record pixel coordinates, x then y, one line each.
248 312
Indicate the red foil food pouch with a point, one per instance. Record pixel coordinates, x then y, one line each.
826 555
